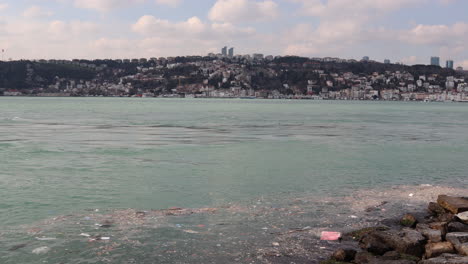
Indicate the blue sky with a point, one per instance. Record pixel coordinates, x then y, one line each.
408 31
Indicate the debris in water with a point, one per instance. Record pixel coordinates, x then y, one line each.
330 236
191 231
45 238
85 235
16 247
41 250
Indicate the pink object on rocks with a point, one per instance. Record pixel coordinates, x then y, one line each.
330 236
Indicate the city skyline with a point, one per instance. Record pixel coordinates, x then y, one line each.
67 29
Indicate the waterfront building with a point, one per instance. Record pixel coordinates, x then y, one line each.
449 64
387 61
435 61
365 58
258 56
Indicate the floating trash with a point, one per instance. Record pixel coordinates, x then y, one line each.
41 250
330 236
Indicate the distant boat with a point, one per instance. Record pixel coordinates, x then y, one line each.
248 97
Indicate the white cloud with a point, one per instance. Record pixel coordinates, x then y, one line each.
105 5
36 12
436 34
347 8
171 3
410 60
191 28
233 11
3 6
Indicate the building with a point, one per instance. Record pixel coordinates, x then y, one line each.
460 68
449 64
224 51
258 56
435 61
231 52
365 58
387 61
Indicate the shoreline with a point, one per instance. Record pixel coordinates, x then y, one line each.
237 98
259 232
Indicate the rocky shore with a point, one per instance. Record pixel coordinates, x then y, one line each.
440 236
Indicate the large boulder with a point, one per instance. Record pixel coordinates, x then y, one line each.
453 204
459 241
406 241
457 227
436 249
446 259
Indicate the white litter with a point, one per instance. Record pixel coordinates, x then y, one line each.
41 250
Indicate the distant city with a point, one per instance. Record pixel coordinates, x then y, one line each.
226 75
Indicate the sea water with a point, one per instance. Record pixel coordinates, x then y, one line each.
76 157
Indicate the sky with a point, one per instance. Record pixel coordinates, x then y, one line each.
407 31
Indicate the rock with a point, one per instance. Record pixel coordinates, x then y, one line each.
376 242
41 250
463 217
436 249
446 259
460 241
432 235
408 220
453 204
367 258
457 227
441 226
447 217
406 241
346 255
391 255
435 209
364 258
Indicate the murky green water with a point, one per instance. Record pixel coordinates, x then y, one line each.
62 156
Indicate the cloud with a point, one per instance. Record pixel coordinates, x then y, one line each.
3 6
410 60
36 12
233 11
347 8
171 3
436 34
191 28
105 5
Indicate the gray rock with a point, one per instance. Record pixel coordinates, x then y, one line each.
459 240
457 227
432 235
406 241
446 259
367 258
